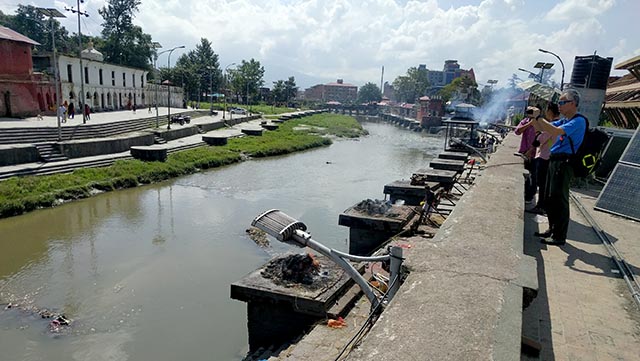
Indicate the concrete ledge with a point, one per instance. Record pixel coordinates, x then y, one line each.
18 154
252 131
177 131
91 147
150 153
463 298
215 139
207 127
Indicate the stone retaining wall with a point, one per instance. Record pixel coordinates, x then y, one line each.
463 298
18 154
91 147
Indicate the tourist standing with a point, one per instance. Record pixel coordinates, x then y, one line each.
71 111
567 133
62 113
543 144
87 112
528 132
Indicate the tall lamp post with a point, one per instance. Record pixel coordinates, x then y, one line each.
561 63
169 86
225 90
54 13
210 68
77 11
542 66
156 45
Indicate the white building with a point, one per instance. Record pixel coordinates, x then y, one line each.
109 86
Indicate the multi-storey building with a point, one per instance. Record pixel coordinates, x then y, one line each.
338 91
23 93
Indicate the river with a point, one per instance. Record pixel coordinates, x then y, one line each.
144 273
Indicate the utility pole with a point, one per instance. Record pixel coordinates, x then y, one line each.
54 13
82 105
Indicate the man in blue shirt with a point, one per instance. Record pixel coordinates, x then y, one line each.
571 126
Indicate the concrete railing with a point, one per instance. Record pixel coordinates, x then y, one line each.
463 299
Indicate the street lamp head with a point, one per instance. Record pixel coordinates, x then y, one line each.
543 51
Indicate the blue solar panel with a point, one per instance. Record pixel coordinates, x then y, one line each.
632 153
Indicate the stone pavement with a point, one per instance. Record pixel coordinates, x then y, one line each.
96 118
584 309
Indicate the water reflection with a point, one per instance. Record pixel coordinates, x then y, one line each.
145 272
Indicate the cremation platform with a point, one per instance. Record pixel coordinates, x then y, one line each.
279 313
454 155
367 231
448 164
411 194
437 175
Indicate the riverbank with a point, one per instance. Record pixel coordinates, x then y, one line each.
20 195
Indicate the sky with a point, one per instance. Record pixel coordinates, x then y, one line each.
319 41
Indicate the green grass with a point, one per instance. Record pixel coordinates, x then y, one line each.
255 108
23 194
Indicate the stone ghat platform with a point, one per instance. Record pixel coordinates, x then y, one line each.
464 296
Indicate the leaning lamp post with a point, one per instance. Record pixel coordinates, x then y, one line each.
169 86
561 63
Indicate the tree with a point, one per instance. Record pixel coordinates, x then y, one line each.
33 24
411 86
246 79
462 89
124 43
290 89
369 93
198 70
279 92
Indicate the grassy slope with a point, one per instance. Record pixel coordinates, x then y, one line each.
23 194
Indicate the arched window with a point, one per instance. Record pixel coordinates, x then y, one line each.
109 99
95 99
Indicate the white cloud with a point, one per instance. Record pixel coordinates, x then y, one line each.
321 40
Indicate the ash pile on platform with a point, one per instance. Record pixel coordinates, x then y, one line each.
293 270
374 207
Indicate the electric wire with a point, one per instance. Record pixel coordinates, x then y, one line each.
367 322
623 267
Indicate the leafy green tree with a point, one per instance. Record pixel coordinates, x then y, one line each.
462 89
198 70
279 92
124 43
33 24
413 85
291 90
247 79
369 93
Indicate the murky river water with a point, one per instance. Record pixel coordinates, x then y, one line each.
145 273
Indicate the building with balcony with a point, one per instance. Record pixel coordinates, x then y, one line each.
338 91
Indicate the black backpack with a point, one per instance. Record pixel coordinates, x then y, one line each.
586 159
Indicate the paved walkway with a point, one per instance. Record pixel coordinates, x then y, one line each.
584 310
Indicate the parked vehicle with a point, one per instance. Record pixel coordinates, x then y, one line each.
238 111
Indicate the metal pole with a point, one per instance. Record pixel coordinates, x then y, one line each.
169 91
210 89
82 100
157 81
57 78
561 63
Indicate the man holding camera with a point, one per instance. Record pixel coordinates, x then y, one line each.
572 126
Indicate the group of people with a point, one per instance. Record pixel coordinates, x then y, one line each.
547 144
68 110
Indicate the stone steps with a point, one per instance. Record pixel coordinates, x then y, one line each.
50 152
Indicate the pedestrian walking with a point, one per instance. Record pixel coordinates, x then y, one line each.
567 133
62 113
149 108
87 112
71 111
134 108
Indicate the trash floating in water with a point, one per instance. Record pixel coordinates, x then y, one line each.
59 322
258 236
292 269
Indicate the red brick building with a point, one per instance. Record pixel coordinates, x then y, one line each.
337 92
23 93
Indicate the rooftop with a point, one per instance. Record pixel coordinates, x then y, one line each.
8 34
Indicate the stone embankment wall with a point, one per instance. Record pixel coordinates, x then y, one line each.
16 154
91 147
464 296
